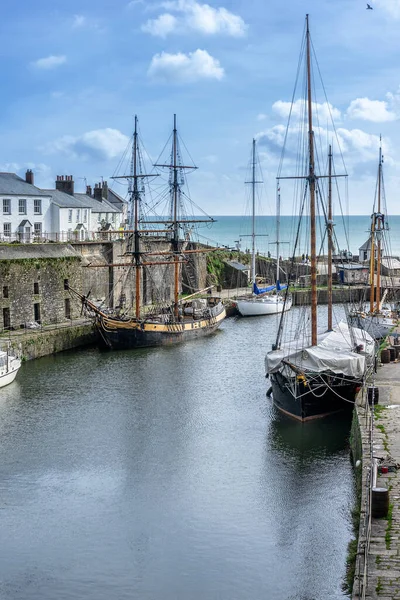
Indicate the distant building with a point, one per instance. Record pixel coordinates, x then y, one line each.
352 273
364 252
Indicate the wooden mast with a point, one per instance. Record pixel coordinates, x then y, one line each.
136 234
330 244
175 190
253 233
311 182
379 234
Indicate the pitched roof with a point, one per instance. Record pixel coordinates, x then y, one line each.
64 200
115 198
366 245
13 185
96 206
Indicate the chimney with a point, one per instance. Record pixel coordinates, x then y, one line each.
97 192
105 190
29 178
88 190
65 184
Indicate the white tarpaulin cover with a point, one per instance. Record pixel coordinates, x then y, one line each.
335 352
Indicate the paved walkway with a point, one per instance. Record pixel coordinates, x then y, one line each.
382 554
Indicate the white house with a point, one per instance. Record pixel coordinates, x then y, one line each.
25 209
60 214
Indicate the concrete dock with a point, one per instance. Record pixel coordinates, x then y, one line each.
377 573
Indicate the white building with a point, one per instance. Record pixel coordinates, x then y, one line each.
31 214
25 209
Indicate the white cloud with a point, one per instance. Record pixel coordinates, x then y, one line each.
100 144
50 62
356 145
161 26
79 21
324 111
184 68
193 16
371 110
261 117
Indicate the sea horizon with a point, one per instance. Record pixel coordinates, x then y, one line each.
351 232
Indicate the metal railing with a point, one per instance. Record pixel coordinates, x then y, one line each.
369 481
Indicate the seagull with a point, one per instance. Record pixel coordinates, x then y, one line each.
369 7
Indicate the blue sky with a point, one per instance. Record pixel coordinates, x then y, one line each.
75 73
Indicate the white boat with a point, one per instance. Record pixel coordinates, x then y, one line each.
269 300
9 366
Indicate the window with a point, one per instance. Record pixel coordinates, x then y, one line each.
78 215
6 206
99 218
67 308
7 229
36 309
6 318
37 229
85 215
113 217
22 206
70 216
5 291
36 287
37 206
66 284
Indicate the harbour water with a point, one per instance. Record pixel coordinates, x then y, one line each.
350 233
166 474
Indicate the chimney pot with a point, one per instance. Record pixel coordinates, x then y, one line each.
29 177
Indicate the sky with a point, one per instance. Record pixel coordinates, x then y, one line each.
76 73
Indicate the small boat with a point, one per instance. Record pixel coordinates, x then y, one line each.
315 374
378 321
159 315
9 367
268 300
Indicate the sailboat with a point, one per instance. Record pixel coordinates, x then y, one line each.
9 367
268 300
163 322
314 375
377 321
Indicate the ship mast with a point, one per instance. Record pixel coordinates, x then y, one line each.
330 244
377 226
311 182
175 192
379 234
253 233
135 197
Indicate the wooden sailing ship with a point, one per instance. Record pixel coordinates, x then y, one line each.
379 322
167 320
316 374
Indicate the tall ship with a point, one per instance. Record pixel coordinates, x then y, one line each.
171 316
315 373
379 320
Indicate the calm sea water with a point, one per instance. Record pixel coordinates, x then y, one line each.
166 474
351 233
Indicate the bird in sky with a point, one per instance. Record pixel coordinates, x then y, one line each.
369 7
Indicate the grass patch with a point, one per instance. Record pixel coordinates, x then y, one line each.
379 586
378 410
389 526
